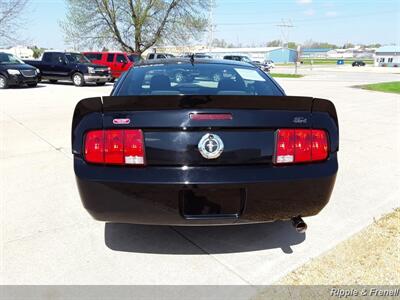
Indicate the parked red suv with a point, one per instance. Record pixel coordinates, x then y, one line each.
118 62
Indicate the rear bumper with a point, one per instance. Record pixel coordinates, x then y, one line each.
152 195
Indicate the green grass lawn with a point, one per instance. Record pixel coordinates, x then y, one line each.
283 75
388 87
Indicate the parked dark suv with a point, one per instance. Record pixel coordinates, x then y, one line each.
70 66
14 72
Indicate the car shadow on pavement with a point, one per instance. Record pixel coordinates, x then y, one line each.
25 87
68 83
201 240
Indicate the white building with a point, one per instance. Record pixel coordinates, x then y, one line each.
387 56
351 53
19 51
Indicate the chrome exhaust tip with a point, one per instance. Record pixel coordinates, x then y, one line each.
299 224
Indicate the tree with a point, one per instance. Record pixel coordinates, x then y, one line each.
37 52
313 44
10 18
274 43
376 45
134 25
348 45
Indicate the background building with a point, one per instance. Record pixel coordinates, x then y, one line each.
314 52
276 54
19 51
282 55
356 52
387 56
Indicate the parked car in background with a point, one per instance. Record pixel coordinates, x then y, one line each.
358 63
197 55
159 56
14 72
203 152
245 58
118 62
70 66
269 63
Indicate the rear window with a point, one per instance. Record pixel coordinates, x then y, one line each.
198 79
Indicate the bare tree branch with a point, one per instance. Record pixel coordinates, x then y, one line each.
10 18
133 25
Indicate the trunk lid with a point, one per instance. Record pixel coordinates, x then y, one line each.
172 137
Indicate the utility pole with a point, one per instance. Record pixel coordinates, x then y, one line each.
285 27
211 25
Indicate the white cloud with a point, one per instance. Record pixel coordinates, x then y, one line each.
309 12
304 1
331 13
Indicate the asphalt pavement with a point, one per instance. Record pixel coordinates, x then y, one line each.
48 238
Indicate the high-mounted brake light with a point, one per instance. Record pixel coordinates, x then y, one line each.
300 145
115 147
211 117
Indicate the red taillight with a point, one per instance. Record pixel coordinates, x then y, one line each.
115 147
285 146
300 145
319 149
94 146
134 147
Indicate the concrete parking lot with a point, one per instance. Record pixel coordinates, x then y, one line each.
48 238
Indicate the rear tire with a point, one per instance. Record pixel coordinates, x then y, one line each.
32 85
78 79
3 82
100 83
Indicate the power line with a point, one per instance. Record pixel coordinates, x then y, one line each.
309 20
285 27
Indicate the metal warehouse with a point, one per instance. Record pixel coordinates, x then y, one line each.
387 56
281 55
315 52
276 54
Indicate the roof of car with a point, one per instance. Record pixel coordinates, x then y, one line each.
184 60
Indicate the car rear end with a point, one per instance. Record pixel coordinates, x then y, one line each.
141 159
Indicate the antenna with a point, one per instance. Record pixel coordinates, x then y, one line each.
285 27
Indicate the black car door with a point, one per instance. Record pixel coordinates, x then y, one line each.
60 66
46 65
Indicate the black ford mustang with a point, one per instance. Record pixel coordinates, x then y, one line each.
202 152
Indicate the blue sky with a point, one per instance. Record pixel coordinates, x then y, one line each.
254 21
